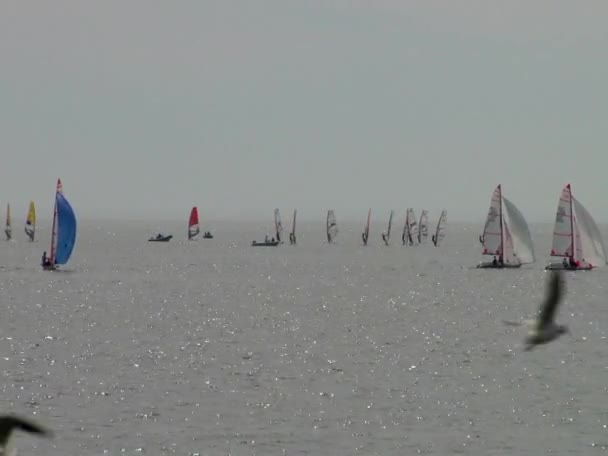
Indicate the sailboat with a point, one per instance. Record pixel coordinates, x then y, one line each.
423 227
441 227
278 225
506 236
63 235
279 230
410 229
576 237
365 234
292 235
331 226
30 222
387 235
193 227
8 230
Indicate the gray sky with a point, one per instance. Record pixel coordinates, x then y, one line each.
148 107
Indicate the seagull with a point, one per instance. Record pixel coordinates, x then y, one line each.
9 423
544 329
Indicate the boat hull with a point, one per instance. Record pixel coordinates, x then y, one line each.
497 266
561 267
264 244
163 239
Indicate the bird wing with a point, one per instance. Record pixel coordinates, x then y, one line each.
10 423
555 291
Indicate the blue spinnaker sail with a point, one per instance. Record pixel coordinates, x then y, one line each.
66 229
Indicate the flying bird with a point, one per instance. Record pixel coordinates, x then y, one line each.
544 329
10 423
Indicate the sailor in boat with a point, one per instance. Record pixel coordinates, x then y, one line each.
273 240
159 236
494 261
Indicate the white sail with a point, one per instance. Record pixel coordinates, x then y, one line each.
506 234
520 240
387 234
492 233
592 250
278 225
365 234
410 229
332 226
441 228
563 230
423 227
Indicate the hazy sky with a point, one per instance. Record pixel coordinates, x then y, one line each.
149 107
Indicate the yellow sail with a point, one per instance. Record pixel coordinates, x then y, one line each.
30 223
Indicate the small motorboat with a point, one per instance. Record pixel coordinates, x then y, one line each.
161 238
207 235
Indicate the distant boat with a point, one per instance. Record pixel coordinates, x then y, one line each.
207 235
410 229
278 225
331 226
292 235
576 237
265 244
63 234
365 234
506 235
193 228
387 235
441 227
8 230
30 222
423 227
161 238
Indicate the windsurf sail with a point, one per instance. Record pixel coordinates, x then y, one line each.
193 225
63 235
30 222
387 235
331 226
278 225
423 227
8 229
575 234
441 227
292 235
506 234
365 234
410 229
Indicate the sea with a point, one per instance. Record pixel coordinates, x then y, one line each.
214 347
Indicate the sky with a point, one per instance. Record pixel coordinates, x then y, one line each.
145 108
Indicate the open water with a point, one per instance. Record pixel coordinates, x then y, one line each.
214 347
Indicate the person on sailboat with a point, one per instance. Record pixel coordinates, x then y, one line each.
494 261
45 260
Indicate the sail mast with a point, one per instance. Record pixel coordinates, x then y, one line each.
571 225
53 232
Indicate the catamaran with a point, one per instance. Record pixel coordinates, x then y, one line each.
193 226
506 236
30 222
8 230
365 234
576 237
63 235
387 235
441 227
292 235
410 229
278 225
423 227
331 226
